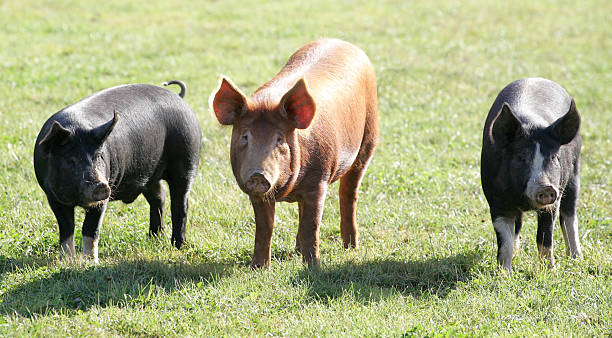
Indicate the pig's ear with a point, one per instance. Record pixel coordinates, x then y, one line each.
504 126
57 135
228 102
566 128
298 106
100 133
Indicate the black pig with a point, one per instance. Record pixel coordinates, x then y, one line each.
115 145
531 161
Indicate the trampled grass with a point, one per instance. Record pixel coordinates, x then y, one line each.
427 261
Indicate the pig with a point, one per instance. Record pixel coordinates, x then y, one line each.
530 160
115 145
315 122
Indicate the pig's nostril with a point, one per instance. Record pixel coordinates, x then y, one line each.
101 192
546 195
257 183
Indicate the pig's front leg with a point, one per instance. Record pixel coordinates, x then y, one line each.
544 235
504 226
264 224
298 237
91 231
65 220
311 207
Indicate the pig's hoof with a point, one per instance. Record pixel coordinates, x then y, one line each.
350 245
70 259
575 255
259 266
91 259
178 243
154 233
314 263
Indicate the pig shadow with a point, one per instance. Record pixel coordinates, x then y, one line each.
124 283
10 264
378 279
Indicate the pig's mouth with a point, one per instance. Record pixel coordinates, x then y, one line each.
541 207
92 204
269 195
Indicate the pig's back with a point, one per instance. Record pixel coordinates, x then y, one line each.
156 130
334 71
140 106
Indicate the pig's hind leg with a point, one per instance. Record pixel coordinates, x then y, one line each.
349 186
518 225
569 221
544 235
156 196
179 204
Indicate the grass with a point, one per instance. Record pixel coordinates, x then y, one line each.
427 261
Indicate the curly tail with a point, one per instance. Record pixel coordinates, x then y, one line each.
180 83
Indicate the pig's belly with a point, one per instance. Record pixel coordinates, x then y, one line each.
345 162
127 193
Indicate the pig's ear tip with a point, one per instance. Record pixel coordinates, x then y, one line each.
573 106
225 79
506 106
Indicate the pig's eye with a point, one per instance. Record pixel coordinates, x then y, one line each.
522 157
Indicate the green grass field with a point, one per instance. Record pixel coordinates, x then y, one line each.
427 261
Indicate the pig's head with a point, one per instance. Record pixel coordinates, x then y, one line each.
532 154
76 169
264 146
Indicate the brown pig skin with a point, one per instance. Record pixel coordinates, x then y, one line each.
315 122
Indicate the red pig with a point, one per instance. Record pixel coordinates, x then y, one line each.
315 122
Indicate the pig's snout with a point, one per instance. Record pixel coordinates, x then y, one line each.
100 192
546 195
257 182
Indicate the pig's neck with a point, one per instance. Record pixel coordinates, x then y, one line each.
295 167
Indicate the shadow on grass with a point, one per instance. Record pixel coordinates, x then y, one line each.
10 264
377 279
278 255
126 283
